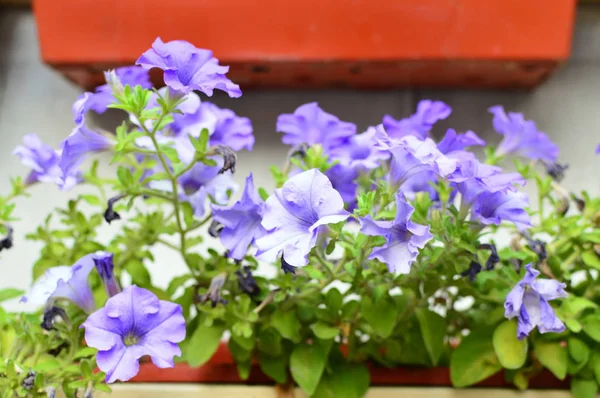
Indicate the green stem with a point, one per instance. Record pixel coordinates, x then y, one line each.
168 244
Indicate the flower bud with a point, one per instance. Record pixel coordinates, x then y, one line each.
113 81
105 267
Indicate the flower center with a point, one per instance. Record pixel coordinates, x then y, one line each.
130 339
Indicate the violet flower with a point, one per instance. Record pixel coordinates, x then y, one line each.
295 214
428 113
343 179
473 178
132 324
453 142
64 282
105 267
311 125
224 126
403 237
359 152
493 208
187 68
78 144
522 137
528 302
241 221
43 161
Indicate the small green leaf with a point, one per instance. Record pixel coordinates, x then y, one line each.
433 329
591 326
287 325
48 365
139 273
102 387
553 356
380 315
203 141
593 237
263 193
345 380
474 360
324 331
584 388
10 293
307 364
275 368
591 259
595 364
511 352
85 352
269 342
203 344
578 350
177 282
92 200
188 214
333 300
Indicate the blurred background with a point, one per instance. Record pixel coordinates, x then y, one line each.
558 86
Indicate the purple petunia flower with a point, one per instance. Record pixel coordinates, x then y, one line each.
132 324
343 179
64 282
78 144
528 302
105 267
403 237
311 125
522 137
493 208
241 221
44 163
453 142
295 214
224 126
410 156
188 68
428 113
359 152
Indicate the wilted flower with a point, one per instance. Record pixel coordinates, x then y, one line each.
403 237
105 267
522 137
7 241
110 214
188 68
295 213
44 163
473 270
493 208
241 221
420 124
64 282
50 315
246 281
528 302
132 324
311 125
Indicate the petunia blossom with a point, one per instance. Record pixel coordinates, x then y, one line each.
428 113
295 214
187 68
78 144
309 124
359 152
132 324
44 163
522 137
103 262
65 282
241 221
453 142
493 208
403 237
528 302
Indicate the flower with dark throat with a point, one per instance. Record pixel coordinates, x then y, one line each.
105 267
528 302
132 324
294 215
493 208
241 221
64 282
187 68
403 237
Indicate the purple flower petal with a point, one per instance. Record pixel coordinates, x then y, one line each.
419 125
293 215
493 208
81 142
188 68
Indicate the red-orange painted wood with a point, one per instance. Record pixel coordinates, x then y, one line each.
356 43
221 369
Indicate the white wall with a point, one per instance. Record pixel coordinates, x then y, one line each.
34 98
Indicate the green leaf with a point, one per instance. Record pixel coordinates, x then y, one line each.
125 177
287 325
139 274
203 141
474 360
307 364
511 352
275 368
333 300
10 293
92 200
595 364
347 380
591 326
177 282
584 388
593 237
269 341
578 350
48 365
85 352
591 259
380 315
553 356
203 344
102 387
433 329
324 331
188 214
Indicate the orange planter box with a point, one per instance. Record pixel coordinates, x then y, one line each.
320 43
